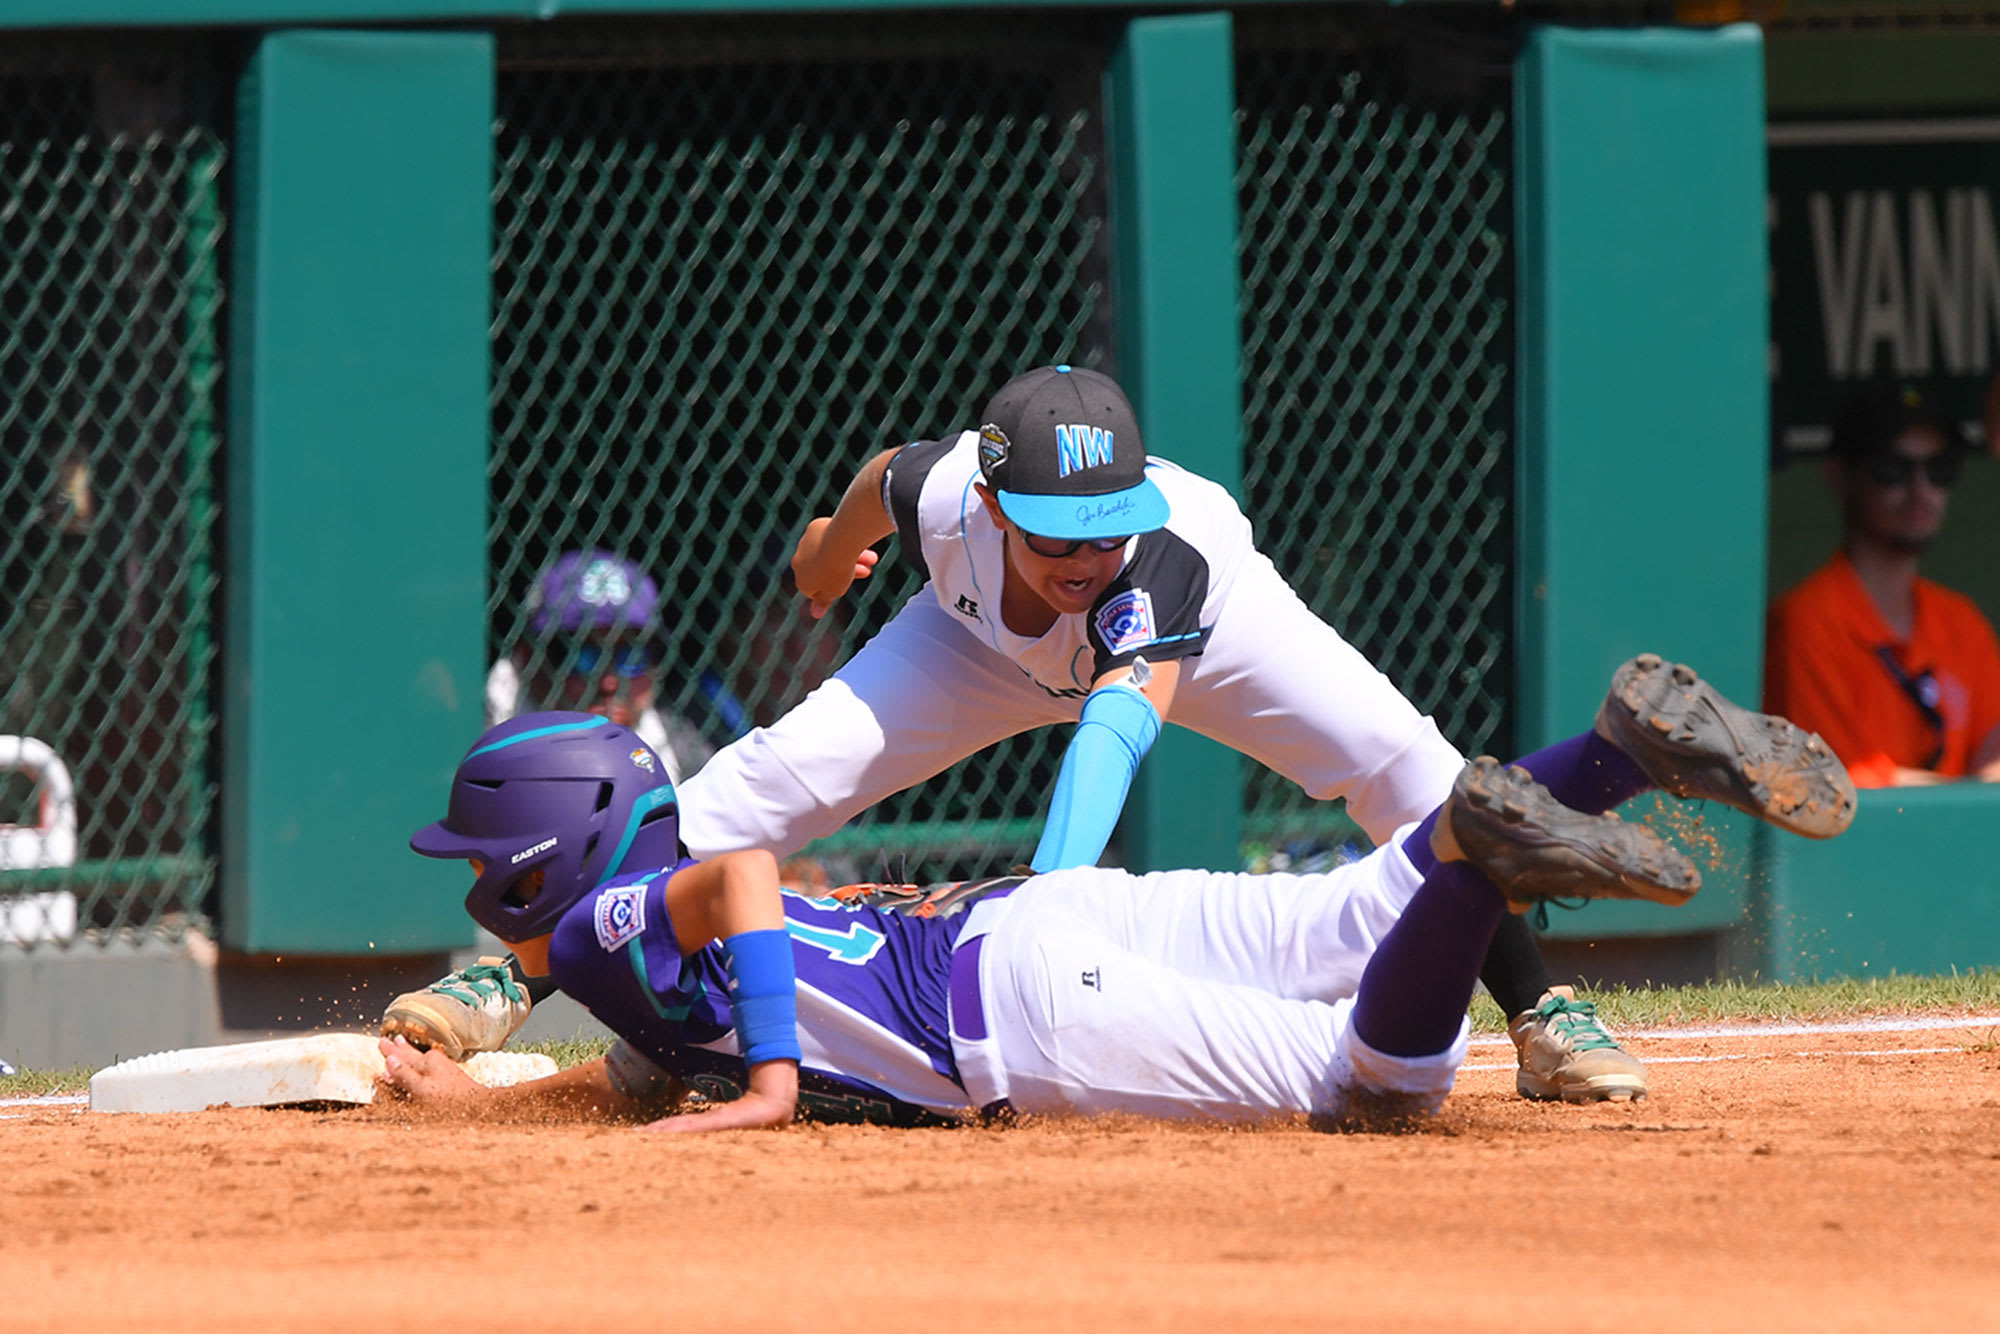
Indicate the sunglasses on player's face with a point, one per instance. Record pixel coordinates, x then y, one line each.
1886 470
1055 548
627 660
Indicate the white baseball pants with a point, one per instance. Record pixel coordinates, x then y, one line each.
1187 994
1275 683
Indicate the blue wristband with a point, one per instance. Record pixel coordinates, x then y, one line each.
763 999
1118 727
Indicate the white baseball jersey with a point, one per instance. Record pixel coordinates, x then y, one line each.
944 678
1163 604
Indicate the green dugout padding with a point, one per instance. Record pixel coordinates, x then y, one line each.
1171 102
1643 398
1910 889
357 484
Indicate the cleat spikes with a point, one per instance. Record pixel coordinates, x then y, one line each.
1694 743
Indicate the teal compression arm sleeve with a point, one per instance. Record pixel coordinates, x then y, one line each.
1118 727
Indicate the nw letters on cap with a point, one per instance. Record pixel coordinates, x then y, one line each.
1079 447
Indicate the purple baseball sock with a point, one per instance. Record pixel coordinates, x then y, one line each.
1414 990
1587 773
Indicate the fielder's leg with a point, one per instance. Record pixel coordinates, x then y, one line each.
916 699
472 1010
1563 1050
1413 994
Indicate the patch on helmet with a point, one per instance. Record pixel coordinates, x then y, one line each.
620 915
1126 622
643 758
993 447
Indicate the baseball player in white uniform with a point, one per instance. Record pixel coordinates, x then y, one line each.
1075 580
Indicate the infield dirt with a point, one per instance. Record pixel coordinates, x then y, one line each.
1803 1184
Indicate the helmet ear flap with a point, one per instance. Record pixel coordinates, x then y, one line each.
522 889
503 893
657 839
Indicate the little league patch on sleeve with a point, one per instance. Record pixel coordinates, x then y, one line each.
1126 622
621 915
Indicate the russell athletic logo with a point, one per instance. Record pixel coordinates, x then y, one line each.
1080 447
526 853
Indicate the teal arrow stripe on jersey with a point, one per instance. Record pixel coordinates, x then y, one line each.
635 952
856 945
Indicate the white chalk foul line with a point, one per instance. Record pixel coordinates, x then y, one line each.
74 1101
1764 1056
1883 1024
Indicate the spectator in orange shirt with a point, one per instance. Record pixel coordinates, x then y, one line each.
1901 675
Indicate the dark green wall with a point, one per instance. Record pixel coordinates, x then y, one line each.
1171 99
1643 393
1909 889
357 484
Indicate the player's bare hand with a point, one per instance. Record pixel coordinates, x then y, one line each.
824 573
424 1076
748 1112
772 1100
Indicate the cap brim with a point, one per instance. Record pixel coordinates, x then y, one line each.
434 840
1136 509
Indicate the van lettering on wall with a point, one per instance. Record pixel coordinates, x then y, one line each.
1908 285
1885 261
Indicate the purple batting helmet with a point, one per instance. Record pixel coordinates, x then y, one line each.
596 590
572 795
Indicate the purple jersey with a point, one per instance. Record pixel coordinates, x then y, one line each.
872 989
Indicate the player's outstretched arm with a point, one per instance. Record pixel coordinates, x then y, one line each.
1121 720
735 899
771 1100
835 550
583 1092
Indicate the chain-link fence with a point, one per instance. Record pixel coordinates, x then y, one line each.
731 263
110 305
1373 160
731 266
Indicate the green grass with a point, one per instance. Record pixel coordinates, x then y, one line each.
41 1083
1738 1002
1661 1007
573 1052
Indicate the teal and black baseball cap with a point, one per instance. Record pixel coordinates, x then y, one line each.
1061 450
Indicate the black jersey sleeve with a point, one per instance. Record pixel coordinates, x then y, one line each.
903 483
1153 608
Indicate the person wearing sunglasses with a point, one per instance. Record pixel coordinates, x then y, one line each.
1900 674
592 644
